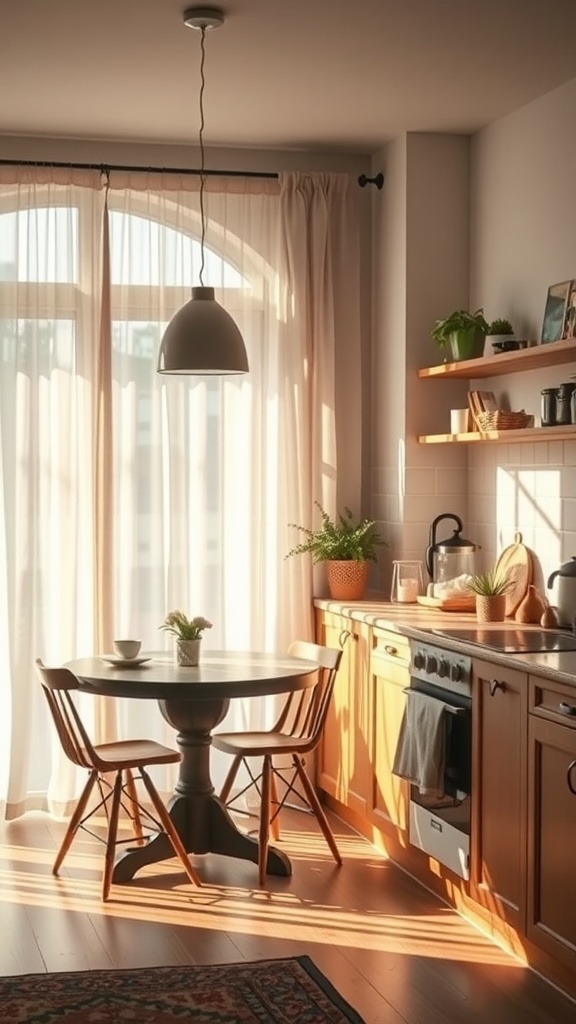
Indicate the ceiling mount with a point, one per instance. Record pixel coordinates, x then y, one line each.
203 18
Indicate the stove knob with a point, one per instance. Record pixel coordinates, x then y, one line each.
419 660
443 668
456 673
431 664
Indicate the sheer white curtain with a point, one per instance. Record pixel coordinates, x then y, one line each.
50 291
185 486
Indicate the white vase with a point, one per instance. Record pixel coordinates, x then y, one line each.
187 653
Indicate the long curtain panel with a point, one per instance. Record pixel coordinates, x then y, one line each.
50 291
186 486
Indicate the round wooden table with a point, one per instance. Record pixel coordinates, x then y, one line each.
194 701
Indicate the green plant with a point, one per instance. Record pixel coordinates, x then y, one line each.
490 583
340 540
500 327
460 320
184 628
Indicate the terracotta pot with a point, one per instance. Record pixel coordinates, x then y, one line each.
347 580
187 653
490 607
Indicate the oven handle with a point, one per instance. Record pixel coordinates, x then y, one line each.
447 707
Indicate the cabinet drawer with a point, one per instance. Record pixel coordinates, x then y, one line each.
553 701
392 647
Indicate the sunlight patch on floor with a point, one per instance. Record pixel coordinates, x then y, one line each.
160 894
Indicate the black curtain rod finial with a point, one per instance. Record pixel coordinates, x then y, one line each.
377 180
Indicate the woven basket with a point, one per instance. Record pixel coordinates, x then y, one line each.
501 420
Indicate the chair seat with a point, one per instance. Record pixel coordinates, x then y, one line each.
259 744
135 753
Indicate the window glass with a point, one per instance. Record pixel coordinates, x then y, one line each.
39 245
143 252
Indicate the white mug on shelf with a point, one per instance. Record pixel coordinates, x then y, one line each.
459 421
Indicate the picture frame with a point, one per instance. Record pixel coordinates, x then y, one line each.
555 311
569 328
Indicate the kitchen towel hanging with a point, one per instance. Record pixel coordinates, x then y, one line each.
420 756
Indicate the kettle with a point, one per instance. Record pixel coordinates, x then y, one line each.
566 591
447 559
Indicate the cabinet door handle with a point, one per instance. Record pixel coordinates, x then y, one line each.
571 787
345 635
567 709
496 684
390 649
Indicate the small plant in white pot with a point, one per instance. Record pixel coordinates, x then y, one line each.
188 634
500 336
346 545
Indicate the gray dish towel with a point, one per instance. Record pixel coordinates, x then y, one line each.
421 752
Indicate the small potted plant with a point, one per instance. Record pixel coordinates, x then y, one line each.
188 633
490 588
501 335
346 545
464 332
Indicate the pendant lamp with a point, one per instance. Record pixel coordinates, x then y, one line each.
202 338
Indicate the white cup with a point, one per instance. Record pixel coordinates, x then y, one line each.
459 421
127 648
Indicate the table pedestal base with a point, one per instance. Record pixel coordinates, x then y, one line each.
200 818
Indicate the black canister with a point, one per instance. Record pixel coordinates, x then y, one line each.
563 408
548 407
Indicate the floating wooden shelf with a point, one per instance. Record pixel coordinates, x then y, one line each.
553 354
529 434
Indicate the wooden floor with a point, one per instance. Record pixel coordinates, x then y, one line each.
393 951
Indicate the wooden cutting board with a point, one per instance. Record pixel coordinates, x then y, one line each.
516 561
449 604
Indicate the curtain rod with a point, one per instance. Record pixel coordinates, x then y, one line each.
128 168
378 180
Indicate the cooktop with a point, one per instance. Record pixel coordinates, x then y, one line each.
513 641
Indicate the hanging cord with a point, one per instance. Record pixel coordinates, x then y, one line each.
202 164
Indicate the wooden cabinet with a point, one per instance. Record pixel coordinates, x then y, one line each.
498 855
537 356
344 758
552 821
389 676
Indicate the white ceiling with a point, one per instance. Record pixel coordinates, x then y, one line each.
305 74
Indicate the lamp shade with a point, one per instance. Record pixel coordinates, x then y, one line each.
202 339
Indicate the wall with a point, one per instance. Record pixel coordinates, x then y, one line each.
523 231
491 222
420 272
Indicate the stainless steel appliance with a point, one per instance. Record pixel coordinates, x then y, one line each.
566 591
512 641
440 826
449 558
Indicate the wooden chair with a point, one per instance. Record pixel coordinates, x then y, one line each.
121 757
297 732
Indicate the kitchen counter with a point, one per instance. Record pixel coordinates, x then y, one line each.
416 622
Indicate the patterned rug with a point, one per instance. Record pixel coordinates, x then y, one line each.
289 991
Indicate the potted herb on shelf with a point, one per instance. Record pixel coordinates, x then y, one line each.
490 588
464 332
500 336
346 545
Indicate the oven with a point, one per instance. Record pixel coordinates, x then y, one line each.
440 824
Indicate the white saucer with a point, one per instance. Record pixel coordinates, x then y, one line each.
117 662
